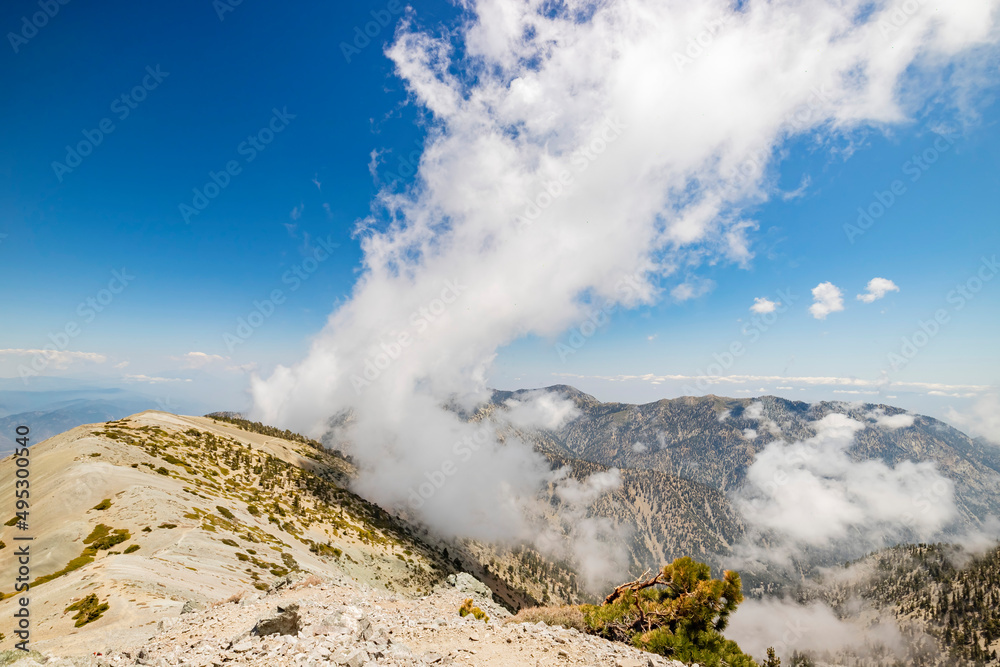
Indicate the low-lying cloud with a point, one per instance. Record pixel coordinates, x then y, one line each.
565 151
811 495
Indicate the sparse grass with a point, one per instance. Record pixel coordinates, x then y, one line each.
86 557
13 522
225 512
132 549
232 543
569 616
14 655
168 525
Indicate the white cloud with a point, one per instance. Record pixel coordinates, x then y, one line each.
151 379
895 421
692 288
539 409
788 626
827 298
567 149
982 419
762 305
931 388
891 422
198 359
811 493
876 289
54 359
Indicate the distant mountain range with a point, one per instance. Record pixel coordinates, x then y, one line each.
207 507
50 412
681 459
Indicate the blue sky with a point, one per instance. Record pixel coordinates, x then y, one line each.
222 78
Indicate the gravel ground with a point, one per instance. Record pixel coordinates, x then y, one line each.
343 623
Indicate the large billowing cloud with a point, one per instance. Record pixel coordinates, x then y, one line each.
811 494
579 155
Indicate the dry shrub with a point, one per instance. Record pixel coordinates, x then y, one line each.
311 580
567 616
235 597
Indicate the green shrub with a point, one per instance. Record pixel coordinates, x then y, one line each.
162 471
476 612
103 537
225 512
168 525
253 510
232 543
13 522
680 613
103 505
132 549
87 609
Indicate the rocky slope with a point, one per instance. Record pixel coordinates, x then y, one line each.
155 511
318 621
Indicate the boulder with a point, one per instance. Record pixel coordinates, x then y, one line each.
285 621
